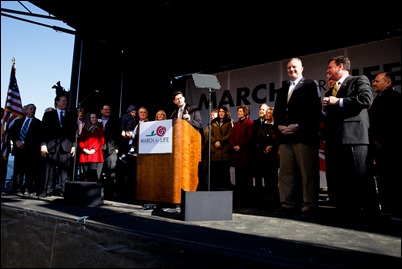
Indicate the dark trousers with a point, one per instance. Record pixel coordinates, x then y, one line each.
57 171
389 176
355 188
109 169
26 175
92 171
220 175
244 186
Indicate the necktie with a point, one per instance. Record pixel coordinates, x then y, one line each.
24 129
180 114
104 121
335 89
61 118
291 88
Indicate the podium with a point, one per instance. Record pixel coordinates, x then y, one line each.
162 177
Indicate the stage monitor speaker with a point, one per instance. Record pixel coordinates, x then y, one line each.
206 205
83 193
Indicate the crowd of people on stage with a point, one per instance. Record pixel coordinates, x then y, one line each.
275 157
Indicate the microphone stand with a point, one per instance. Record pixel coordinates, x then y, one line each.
209 139
76 150
204 81
86 99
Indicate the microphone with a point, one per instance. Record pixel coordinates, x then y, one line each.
87 98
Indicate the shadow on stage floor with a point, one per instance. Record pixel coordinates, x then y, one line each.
118 233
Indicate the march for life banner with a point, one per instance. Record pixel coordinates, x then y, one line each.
155 137
259 84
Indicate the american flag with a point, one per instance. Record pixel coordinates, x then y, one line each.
12 110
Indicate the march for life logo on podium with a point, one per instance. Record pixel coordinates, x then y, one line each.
155 137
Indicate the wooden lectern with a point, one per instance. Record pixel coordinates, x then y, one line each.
161 177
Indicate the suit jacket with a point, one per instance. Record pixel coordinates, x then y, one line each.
385 113
303 108
195 117
57 137
32 139
112 134
349 124
266 136
257 126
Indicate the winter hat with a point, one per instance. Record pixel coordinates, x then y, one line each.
131 108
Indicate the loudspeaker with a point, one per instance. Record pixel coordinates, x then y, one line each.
206 205
83 193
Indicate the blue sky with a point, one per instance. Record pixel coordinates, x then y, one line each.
42 56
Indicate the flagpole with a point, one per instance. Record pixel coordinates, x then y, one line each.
77 107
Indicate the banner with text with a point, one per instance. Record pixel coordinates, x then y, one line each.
155 137
258 84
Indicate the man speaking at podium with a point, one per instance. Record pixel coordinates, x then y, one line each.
186 112
192 115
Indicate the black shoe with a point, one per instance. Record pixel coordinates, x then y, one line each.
123 159
43 195
285 212
58 193
309 214
17 192
132 152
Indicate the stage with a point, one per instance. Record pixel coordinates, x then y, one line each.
50 233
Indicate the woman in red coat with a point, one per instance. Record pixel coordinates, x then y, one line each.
90 143
241 141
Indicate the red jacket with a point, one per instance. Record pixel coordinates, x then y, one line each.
91 140
241 135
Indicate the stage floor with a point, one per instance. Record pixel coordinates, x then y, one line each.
253 237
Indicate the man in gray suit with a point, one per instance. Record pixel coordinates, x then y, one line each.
112 133
346 124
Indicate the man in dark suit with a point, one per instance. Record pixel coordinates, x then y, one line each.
58 146
346 126
297 117
112 133
25 135
192 115
187 112
259 157
386 144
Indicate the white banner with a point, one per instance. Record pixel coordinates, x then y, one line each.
155 137
258 84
